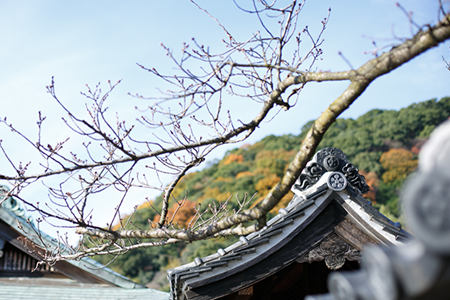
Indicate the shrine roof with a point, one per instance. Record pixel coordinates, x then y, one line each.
328 180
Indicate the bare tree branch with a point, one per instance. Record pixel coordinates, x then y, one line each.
263 69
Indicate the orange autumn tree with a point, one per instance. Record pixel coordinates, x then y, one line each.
263 187
398 163
373 182
238 158
180 214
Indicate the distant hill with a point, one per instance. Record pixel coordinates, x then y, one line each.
383 144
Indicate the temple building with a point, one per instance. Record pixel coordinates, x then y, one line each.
324 228
21 278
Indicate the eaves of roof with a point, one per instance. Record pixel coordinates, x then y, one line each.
86 264
300 212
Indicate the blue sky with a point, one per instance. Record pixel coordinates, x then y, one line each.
86 42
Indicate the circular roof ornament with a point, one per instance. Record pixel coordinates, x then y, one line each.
340 285
337 181
380 273
331 163
426 198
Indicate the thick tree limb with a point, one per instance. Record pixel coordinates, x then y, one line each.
242 71
360 80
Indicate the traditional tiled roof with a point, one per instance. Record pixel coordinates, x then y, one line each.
328 178
417 271
117 285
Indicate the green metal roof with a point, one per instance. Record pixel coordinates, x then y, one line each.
68 293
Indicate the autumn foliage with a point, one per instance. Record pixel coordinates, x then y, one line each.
180 214
233 158
398 163
265 184
373 182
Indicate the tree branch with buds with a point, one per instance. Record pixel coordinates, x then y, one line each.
267 69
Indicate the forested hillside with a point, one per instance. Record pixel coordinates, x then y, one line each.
383 144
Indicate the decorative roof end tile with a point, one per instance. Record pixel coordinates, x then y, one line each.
330 160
